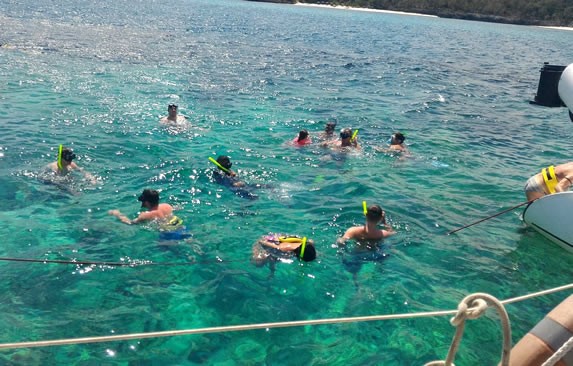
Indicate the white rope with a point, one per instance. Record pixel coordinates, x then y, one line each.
473 307
565 348
235 328
537 294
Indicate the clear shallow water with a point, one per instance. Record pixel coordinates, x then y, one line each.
251 75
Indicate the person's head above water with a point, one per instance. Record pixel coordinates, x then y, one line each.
397 138
330 127
149 196
302 135
172 110
345 133
65 157
68 155
375 214
225 162
309 251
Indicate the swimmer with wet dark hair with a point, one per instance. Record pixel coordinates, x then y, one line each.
170 226
302 139
369 232
172 116
155 211
272 248
65 164
367 238
329 129
396 144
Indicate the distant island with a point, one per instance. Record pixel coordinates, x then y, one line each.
525 12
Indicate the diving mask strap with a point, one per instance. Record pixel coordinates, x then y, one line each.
60 151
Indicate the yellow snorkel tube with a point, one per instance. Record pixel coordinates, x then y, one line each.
354 135
219 165
303 247
60 150
364 208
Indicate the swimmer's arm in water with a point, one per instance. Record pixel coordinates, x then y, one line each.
389 231
144 216
239 183
354 143
348 235
87 175
235 180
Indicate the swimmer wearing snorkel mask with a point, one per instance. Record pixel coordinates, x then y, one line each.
348 139
65 164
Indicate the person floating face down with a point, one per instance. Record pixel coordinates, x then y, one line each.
229 178
302 139
273 247
65 164
550 180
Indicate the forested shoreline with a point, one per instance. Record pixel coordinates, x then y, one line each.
526 12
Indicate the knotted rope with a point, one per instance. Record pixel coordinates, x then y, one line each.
472 307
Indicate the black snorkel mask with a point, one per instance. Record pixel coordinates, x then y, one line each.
68 155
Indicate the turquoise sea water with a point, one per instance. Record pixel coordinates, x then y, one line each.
98 76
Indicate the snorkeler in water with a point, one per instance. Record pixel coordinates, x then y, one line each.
368 240
348 139
228 178
369 233
65 164
396 144
273 248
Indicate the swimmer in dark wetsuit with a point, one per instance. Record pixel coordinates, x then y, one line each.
228 178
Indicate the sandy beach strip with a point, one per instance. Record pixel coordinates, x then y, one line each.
340 7
560 28
399 12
